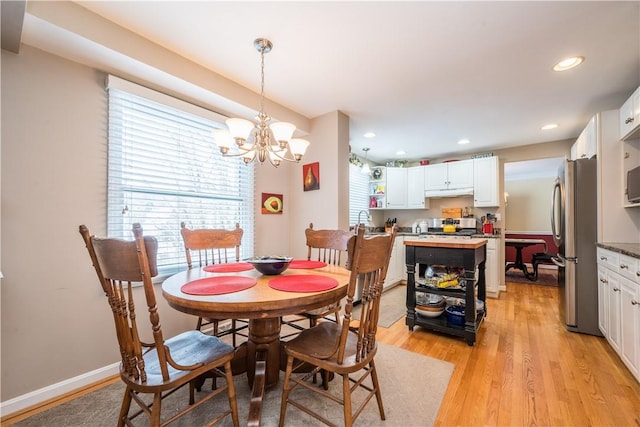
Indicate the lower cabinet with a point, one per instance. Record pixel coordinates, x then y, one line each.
492 269
619 306
395 272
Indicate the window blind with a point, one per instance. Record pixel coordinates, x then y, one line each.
358 193
165 169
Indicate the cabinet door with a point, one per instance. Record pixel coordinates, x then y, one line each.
435 177
415 187
460 174
614 311
491 268
630 115
630 325
586 144
396 263
603 301
485 182
396 188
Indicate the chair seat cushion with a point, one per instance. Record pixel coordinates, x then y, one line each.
188 348
320 343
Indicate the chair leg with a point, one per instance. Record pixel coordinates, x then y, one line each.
376 385
286 389
124 409
233 332
155 410
231 390
346 397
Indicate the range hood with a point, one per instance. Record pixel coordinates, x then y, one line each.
455 192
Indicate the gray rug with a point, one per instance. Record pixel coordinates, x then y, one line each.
412 390
393 306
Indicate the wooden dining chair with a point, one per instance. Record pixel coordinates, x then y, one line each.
337 348
328 246
160 367
210 246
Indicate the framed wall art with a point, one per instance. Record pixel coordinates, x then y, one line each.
311 176
271 203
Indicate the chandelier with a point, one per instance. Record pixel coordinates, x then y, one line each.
262 141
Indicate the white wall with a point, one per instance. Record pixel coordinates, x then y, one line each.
529 205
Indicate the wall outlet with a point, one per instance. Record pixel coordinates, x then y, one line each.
498 217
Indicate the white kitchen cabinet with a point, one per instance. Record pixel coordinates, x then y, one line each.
396 188
395 272
629 119
492 269
405 188
630 325
619 305
603 301
448 176
486 187
415 188
586 145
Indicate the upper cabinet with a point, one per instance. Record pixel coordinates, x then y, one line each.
486 189
415 188
629 121
585 146
448 176
396 188
405 188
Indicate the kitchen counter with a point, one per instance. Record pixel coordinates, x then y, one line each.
445 242
629 249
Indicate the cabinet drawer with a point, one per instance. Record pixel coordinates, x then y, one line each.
629 267
608 259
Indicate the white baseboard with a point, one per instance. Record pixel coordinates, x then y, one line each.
58 389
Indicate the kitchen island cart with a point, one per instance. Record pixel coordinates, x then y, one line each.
468 255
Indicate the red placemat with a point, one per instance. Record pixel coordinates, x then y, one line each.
303 283
232 267
218 285
303 263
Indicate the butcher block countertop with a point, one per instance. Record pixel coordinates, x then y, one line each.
446 243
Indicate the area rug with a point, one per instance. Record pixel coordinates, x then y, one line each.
546 277
412 390
393 306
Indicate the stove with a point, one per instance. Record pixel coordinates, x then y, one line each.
466 227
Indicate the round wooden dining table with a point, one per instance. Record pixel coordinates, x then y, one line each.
261 304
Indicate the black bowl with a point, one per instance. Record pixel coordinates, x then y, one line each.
270 265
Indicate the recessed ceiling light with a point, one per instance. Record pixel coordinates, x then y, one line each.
369 135
549 126
568 63
401 153
463 141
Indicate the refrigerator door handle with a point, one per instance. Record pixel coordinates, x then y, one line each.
558 260
557 212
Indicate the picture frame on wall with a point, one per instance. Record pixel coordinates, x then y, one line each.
271 204
311 176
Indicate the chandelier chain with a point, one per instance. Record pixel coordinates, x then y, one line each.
262 79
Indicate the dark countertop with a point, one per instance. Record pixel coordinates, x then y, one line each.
629 249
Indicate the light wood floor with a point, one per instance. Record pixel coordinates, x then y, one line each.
526 369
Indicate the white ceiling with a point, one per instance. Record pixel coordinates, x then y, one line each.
421 74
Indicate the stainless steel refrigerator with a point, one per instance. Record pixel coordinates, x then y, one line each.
574 228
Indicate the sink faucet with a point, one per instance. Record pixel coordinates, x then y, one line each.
366 212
